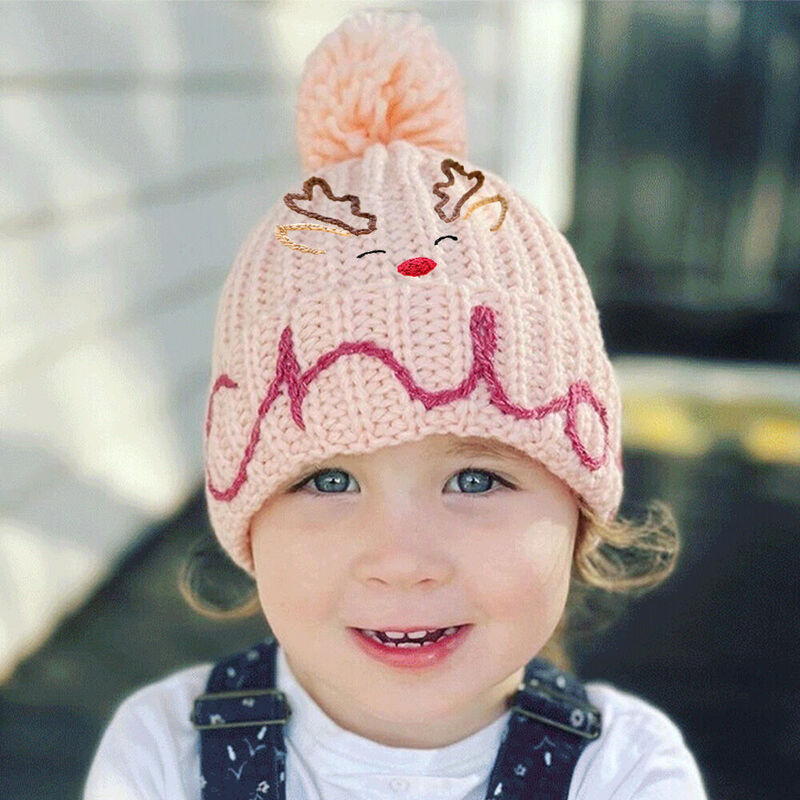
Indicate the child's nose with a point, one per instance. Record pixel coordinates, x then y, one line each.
416 266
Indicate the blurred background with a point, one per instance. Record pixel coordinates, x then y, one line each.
141 142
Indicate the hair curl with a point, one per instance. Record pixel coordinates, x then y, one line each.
611 562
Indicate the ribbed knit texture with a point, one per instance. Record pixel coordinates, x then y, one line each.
318 354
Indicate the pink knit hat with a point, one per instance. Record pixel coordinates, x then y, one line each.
400 291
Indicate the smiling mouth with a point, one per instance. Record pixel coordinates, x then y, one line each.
418 636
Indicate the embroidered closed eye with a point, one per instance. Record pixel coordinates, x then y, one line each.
370 251
448 236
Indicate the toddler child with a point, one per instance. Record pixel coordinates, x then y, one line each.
399 323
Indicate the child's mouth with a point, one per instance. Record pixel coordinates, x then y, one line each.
408 651
406 640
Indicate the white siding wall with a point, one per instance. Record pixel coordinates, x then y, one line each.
139 144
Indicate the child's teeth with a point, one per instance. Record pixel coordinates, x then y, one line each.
411 635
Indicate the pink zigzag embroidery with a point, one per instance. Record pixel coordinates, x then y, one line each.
484 344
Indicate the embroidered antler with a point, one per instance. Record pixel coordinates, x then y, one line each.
355 206
449 166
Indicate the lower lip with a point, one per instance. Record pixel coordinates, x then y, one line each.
411 657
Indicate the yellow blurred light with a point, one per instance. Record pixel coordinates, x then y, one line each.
663 426
773 439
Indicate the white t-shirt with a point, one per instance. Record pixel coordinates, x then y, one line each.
151 751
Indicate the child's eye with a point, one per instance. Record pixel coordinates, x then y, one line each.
339 481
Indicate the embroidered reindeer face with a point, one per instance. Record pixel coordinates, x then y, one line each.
352 221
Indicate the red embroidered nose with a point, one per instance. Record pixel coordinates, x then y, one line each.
416 266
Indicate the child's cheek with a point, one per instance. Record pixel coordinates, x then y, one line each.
529 576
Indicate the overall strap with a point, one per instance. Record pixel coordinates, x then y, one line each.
551 723
240 718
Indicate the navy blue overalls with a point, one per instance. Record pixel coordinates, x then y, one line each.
243 756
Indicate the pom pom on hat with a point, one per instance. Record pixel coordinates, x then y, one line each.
378 77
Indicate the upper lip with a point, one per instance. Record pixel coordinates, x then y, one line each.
407 629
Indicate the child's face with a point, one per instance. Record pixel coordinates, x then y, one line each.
396 536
